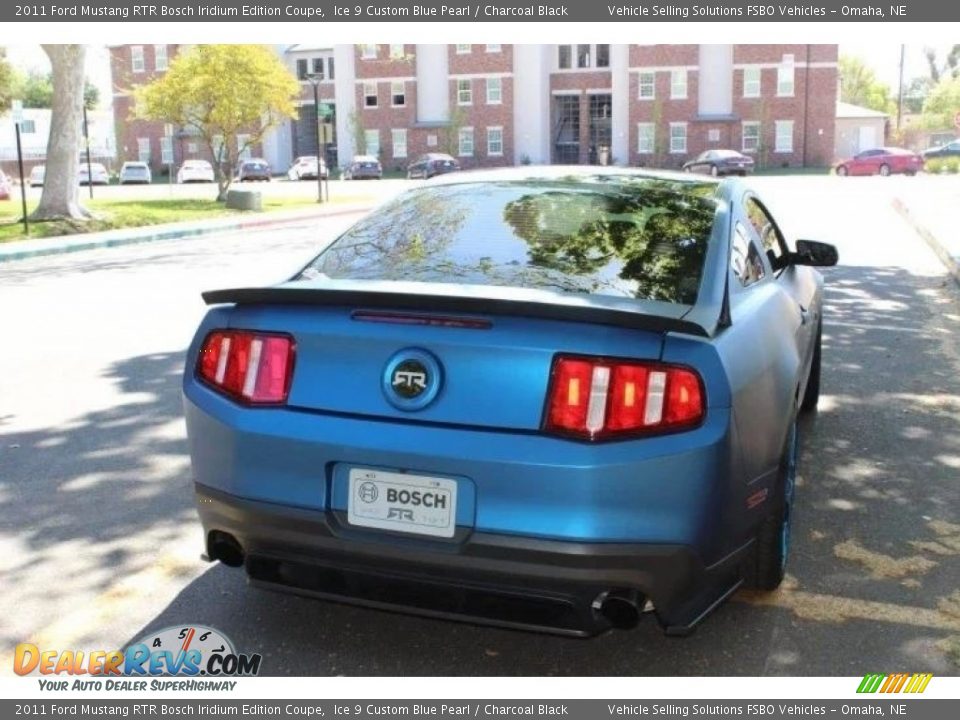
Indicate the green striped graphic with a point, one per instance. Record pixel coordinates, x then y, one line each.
871 683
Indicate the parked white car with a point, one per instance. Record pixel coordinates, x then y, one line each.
98 174
37 174
195 171
305 168
135 173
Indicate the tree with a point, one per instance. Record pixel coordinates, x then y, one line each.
942 104
60 189
915 92
950 66
859 86
222 92
7 81
359 134
450 144
36 91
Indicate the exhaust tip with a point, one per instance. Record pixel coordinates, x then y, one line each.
621 608
225 548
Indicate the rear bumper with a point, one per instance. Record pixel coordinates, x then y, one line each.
512 581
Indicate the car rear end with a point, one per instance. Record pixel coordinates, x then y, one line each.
483 402
366 169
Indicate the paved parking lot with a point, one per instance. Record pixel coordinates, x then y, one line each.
99 540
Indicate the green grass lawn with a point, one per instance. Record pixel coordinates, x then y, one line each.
113 214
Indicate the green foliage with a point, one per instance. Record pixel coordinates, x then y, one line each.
915 92
943 165
222 92
942 104
8 81
859 86
450 144
359 135
36 91
950 67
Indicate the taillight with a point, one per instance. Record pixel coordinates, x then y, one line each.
250 367
600 398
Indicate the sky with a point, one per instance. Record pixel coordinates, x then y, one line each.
883 58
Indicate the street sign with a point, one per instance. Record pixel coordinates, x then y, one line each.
326 110
17 108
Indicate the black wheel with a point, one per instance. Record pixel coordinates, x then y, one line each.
842 171
767 565
811 395
885 170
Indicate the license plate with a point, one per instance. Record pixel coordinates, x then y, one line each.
402 503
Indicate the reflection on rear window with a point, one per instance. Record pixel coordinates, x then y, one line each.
614 235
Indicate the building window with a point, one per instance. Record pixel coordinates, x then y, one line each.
713 135
317 68
494 91
28 127
368 52
603 56
463 49
302 69
678 84
143 149
784 136
397 52
785 77
750 133
493 48
192 148
244 148
751 82
466 142
136 58
563 57
645 138
370 95
160 57
398 93
166 150
372 138
495 141
330 75
648 84
678 137
464 92
583 56
398 138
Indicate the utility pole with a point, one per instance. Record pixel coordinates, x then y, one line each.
315 79
900 90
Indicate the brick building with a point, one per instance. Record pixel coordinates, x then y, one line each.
489 105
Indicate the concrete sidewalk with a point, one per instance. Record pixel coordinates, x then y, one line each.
936 218
23 249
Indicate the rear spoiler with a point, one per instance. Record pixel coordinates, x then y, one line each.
653 316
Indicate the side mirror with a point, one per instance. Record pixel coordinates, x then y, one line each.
814 254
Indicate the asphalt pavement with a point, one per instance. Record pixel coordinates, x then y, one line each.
99 541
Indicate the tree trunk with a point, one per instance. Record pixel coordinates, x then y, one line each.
60 187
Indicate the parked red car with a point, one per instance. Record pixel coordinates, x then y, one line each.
881 161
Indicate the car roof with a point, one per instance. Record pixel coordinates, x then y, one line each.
582 173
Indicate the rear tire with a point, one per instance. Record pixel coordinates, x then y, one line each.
811 395
884 170
766 566
842 171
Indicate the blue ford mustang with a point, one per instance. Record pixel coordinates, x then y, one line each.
548 398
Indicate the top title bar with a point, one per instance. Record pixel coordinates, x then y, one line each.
324 11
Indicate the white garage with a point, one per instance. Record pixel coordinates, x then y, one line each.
858 128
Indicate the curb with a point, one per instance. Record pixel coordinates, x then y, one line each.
951 263
168 231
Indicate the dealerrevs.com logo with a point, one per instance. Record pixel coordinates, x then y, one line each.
179 651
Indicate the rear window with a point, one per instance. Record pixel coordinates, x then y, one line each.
619 235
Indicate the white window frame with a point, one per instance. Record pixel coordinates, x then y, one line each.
373 148
138 62
786 77
754 146
143 149
394 84
397 52
494 48
783 130
160 51
495 84
166 150
464 90
676 86
367 86
646 138
399 148
465 138
651 85
752 86
498 129
368 52
28 127
677 148
464 49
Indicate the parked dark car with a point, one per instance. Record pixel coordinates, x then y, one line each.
951 149
363 167
720 162
881 161
426 166
251 170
